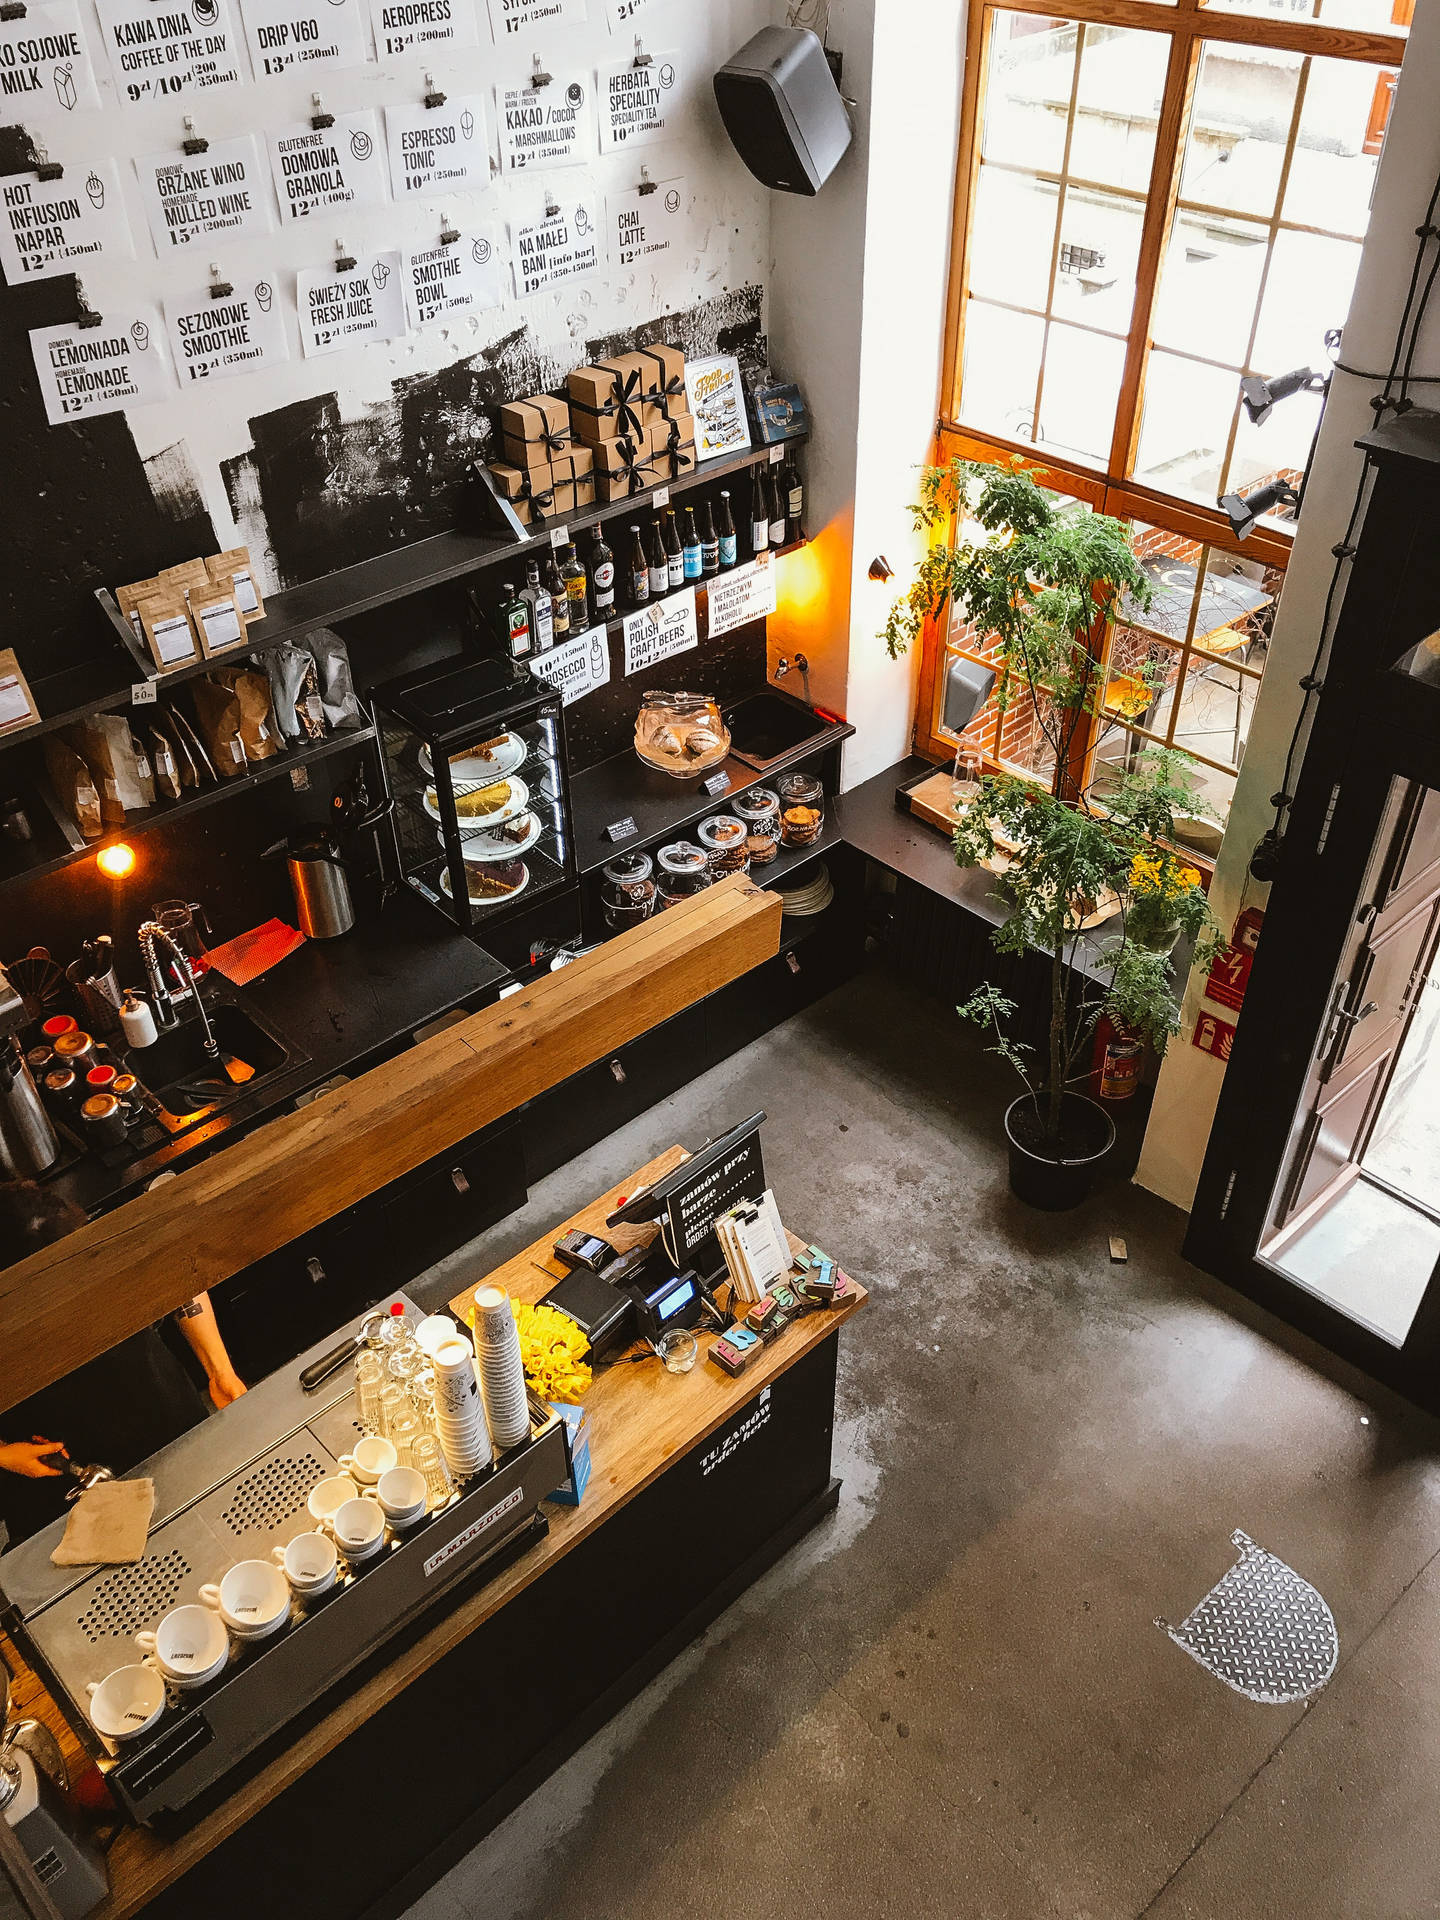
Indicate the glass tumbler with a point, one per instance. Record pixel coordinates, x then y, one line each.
369 1378
391 1402
405 1429
426 1457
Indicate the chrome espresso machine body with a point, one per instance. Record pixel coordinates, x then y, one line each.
233 1489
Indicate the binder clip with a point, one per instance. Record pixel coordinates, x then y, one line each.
538 75
48 170
647 185
193 143
552 205
642 59
344 262
449 233
320 119
433 95
13 10
85 314
220 289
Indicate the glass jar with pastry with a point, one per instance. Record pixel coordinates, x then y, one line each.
681 733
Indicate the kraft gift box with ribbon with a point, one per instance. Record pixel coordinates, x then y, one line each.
665 381
534 432
672 448
612 399
549 492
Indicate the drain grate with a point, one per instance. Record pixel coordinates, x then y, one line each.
1262 1630
133 1597
265 1499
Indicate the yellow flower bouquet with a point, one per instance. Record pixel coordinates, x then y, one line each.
552 1351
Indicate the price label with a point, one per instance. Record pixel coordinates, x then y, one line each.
660 496
639 104
559 536
142 693
625 829
86 371
717 783
777 454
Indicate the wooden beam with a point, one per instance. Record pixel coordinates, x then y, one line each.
82 1296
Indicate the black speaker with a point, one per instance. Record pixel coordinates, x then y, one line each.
782 109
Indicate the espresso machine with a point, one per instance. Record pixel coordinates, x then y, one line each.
28 1146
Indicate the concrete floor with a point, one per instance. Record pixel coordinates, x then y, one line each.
952 1699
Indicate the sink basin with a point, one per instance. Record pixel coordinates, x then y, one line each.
766 726
177 1070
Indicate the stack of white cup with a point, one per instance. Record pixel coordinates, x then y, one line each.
459 1417
502 1372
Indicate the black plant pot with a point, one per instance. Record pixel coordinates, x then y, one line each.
1087 1134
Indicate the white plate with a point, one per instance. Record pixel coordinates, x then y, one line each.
505 759
517 803
482 846
499 899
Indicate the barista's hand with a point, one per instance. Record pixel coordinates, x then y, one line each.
27 1458
225 1386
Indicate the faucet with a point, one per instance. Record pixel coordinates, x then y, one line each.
784 664
152 935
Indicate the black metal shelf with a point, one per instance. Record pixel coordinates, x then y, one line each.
286 761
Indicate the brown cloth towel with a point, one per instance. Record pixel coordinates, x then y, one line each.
107 1525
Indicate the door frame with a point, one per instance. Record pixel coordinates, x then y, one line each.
1329 848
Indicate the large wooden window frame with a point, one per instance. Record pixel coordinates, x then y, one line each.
1189 26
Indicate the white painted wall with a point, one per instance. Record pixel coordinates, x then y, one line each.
1190 1080
729 216
857 303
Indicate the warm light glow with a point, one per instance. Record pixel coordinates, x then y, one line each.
116 861
801 584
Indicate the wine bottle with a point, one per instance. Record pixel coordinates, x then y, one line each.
777 507
674 552
559 604
659 565
794 500
709 541
514 621
727 538
759 514
602 578
639 571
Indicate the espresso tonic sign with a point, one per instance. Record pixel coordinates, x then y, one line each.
46 66
438 149
170 49
319 169
54 226
85 371
365 302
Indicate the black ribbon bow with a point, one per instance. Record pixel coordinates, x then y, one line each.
625 389
632 463
674 447
540 502
554 439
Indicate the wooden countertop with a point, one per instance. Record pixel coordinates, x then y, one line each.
641 1418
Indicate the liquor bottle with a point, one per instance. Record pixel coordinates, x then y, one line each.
659 564
709 541
691 552
777 507
577 588
542 625
674 552
514 616
559 603
794 500
602 578
639 571
726 530
759 514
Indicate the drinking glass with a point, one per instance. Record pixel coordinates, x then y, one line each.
427 1458
965 785
405 1429
369 1377
391 1403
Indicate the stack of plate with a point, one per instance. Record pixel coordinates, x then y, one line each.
459 1417
813 897
502 1372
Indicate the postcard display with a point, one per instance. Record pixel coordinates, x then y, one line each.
480 233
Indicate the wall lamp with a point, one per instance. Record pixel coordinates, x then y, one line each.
1242 510
1260 397
880 568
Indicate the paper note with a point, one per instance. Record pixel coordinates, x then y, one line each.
317 170
366 302
55 226
239 332
743 594
577 666
644 226
455 276
189 197
509 17
423 26
85 371
438 149
638 104
172 51
562 247
663 628
304 36
47 65
550 126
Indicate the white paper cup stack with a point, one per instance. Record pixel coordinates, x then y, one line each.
459 1416
502 1372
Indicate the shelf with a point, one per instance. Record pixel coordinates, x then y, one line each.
161 815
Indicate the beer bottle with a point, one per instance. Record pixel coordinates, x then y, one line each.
639 571
577 588
674 552
602 578
559 604
690 553
659 565
727 539
759 513
709 542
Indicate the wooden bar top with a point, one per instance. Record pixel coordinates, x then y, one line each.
640 1419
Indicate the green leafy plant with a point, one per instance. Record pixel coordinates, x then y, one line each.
1040 583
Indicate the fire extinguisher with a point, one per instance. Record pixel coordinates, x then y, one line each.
1116 1061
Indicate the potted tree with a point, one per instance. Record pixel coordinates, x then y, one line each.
1041 583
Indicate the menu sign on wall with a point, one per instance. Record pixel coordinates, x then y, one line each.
643 225
50 226
577 666
664 627
405 26
320 168
621 12
287 36
744 593
438 149
46 62
366 302
191 195
237 333
543 126
509 17
168 49
562 247
637 103
85 371
457 276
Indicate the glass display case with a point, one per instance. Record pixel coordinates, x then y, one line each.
475 758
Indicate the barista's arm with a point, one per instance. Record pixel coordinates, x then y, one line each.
27 1457
202 1334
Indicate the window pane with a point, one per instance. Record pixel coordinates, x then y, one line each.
1308 290
1140 684
1285 9
1012 237
1240 122
1281 447
1209 286
1213 716
1237 602
1082 383
1099 241
1122 78
1332 176
1186 423
1001 368
1027 92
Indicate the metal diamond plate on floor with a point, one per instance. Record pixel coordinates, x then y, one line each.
1262 1630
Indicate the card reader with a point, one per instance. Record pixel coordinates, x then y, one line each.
604 1314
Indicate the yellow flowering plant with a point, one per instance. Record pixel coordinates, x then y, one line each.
552 1351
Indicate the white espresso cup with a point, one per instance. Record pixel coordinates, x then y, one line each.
373 1456
327 1495
126 1702
189 1646
401 1493
310 1563
253 1599
359 1528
